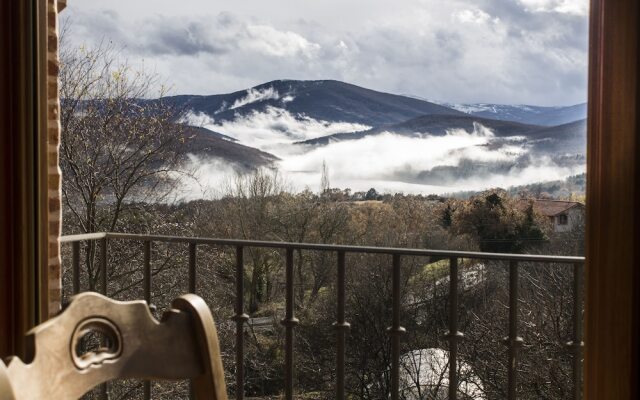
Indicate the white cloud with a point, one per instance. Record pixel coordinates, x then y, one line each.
576 7
461 51
196 119
256 95
270 41
472 15
387 155
389 162
383 156
275 127
211 178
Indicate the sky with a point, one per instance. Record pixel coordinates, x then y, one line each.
457 51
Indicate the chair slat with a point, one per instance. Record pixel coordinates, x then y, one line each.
182 345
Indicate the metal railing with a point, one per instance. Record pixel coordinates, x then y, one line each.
513 341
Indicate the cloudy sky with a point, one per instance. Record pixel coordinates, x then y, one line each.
498 51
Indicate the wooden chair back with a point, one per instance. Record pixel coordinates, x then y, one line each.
182 345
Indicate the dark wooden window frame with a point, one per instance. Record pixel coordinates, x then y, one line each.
613 208
613 189
23 170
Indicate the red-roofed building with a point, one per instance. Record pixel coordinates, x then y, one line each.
564 215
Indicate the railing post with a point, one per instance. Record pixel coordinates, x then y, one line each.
240 318
513 341
395 330
147 297
192 267
576 343
103 265
289 322
75 266
341 327
192 289
453 336
104 388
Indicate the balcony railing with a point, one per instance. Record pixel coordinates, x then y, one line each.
513 341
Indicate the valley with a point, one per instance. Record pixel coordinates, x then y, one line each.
365 138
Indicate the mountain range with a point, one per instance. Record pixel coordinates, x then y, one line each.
321 100
565 138
203 142
434 124
272 122
526 114
331 101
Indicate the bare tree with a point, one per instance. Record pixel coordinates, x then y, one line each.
325 185
118 148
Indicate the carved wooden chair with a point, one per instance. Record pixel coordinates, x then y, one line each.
182 345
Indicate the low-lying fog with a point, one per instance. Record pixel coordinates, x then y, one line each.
388 162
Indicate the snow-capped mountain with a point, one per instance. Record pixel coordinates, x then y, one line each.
526 114
375 139
324 100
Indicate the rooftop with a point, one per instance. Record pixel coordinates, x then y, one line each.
551 208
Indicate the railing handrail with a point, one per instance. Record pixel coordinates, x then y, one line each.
513 341
326 247
82 237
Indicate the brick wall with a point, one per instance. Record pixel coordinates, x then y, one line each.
53 171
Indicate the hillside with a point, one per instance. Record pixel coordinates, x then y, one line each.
411 145
526 114
436 125
324 100
566 138
573 186
205 143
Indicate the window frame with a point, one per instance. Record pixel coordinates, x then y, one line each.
563 219
612 301
24 197
613 186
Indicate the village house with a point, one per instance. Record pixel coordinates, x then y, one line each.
565 216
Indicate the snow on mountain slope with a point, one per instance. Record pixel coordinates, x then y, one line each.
390 142
325 100
526 114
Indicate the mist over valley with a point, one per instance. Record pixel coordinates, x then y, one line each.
366 139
